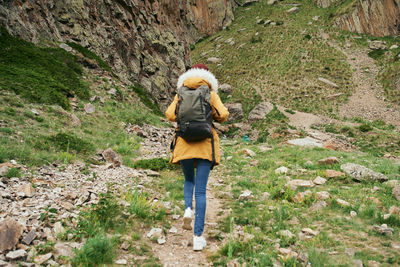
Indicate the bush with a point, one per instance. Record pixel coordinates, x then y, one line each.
365 127
42 75
156 164
70 142
147 99
89 54
13 172
97 250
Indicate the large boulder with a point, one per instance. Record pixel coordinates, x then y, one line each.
260 111
361 173
235 111
10 232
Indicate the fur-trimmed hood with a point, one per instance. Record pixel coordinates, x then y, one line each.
199 73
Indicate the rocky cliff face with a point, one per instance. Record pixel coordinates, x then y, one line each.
143 41
375 17
326 3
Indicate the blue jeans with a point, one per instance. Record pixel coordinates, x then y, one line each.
199 182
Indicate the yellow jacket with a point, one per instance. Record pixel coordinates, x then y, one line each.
201 149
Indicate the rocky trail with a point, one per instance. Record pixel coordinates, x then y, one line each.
177 251
368 101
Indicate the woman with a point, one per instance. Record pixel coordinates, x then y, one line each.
198 154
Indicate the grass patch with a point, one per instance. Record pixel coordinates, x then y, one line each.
42 75
13 172
89 54
147 99
155 164
97 250
70 142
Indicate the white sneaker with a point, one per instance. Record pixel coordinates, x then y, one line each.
187 219
199 242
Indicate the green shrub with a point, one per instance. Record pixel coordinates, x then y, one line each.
97 250
70 142
13 172
89 54
6 130
42 75
147 99
365 127
139 205
156 164
376 54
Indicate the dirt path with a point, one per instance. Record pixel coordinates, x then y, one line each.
367 102
178 250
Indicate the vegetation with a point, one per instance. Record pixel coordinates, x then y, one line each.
89 54
41 75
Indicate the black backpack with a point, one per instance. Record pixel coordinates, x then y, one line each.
194 115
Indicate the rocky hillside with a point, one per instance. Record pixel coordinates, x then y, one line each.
143 41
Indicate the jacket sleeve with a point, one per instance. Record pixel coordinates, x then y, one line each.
170 113
219 112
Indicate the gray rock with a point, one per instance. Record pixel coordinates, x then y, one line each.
328 161
63 249
293 10
377 45
226 88
29 237
66 47
112 157
10 232
308 142
43 258
235 111
319 180
384 229
26 190
89 108
246 194
299 183
361 173
272 2
121 262
358 263
318 205
394 47
328 82
213 60
396 192
16 254
75 120
281 170
260 111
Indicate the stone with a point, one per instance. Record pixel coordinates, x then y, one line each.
26 189
350 252
319 180
272 2
65 47
35 112
306 142
112 157
394 47
10 232
353 213
286 233
334 174
301 196
293 10
66 205
358 263
152 173
374 200
328 82
58 228
161 240
342 202
16 254
121 262
392 183
372 263
384 229
63 249
319 205
43 258
260 111
155 233
75 121
176 216
173 230
394 210
287 252
265 196
299 183
377 45
361 173
281 170
328 161
396 192
309 231
89 108
213 60
248 152
4 167
226 88
235 111
29 237
246 194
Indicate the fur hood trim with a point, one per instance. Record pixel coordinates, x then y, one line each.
199 73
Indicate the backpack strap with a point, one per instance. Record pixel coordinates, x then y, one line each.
213 163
